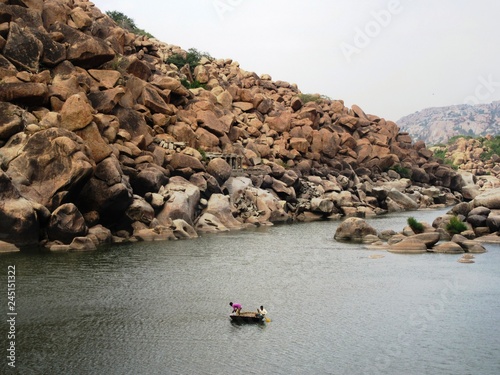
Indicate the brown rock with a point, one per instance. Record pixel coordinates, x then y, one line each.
105 101
99 149
180 161
219 169
280 123
205 140
28 93
11 120
182 200
66 223
140 210
50 164
448 248
18 218
299 144
170 83
354 229
84 50
107 78
76 113
209 121
408 245
108 192
22 48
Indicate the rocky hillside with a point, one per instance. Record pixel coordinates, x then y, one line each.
438 125
479 156
100 141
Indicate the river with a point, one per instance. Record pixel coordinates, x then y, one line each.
335 308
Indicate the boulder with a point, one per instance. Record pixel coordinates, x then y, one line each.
140 210
209 121
11 120
409 245
183 230
403 200
219 206
76 112
108 192
98 147
66 223
209 223
429 238
181 201
448 248
101 234
49 166
18 218
82 244
219 169
29 93
476 220
23 48
158 233
489 199
354 229
180 161
83 50
493 223
149 180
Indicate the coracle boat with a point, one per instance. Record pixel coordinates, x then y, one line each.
247 317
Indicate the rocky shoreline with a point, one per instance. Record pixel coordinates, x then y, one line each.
100 142
479 223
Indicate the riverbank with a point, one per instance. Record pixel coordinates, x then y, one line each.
104 140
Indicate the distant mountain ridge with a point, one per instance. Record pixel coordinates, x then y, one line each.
438 124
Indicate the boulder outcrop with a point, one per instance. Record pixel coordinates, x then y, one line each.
94 118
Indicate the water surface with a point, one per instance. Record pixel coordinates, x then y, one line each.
162 308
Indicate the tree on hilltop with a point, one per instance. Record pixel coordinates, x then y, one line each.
127 23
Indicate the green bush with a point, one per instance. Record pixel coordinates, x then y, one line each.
492 147
402 171
306 98
192 85
193 57
440 154
456 226
127 23
415 225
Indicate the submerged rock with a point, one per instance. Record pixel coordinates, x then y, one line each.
354 229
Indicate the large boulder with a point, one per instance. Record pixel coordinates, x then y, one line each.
66 223
11 120
23 48
18 218
403 200
354 229
448 248
181 200
83 50
108 191
220 207
409 245
219 169
49 166
489 199
140 210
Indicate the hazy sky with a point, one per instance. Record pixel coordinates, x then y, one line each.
391 57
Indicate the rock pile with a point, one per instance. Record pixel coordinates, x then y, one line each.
480 220
86 105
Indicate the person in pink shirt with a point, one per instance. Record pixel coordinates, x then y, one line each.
236 307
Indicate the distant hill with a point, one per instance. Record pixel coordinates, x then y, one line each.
439 124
